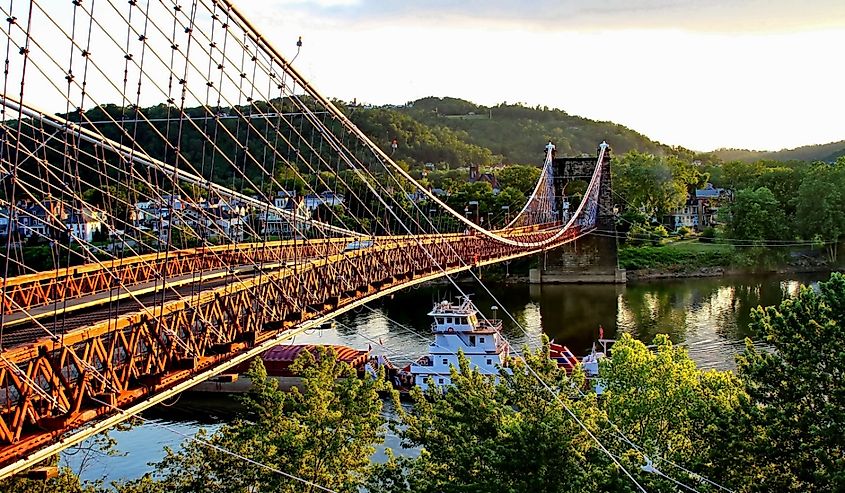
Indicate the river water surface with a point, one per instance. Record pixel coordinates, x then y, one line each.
709 316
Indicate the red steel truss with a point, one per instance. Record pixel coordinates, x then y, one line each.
53 386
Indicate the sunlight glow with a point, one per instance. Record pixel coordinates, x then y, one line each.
699 89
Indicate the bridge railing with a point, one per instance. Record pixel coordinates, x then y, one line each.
23 293
29 291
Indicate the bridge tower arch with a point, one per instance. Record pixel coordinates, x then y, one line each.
594 257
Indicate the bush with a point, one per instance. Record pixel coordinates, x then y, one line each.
638 234
684 231
658 234
708 235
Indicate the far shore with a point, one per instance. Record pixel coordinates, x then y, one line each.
679 272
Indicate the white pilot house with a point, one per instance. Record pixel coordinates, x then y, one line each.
456 327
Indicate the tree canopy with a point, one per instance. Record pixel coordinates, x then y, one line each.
755 216
796 385
652 184
323 431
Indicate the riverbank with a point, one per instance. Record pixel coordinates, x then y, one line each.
691 258
684 272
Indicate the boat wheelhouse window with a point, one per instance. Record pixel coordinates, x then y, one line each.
462 321
472 340
449 320
440 320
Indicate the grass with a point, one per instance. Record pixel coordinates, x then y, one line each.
677 255
695 246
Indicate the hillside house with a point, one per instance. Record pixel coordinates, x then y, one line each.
700 209
476 176
84 224
292 224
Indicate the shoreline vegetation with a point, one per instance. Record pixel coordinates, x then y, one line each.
687 258
690 258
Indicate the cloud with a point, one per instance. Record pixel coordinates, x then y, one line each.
694 15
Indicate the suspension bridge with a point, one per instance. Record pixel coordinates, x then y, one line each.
177 199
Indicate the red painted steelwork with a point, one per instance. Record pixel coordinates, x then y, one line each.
32 290
51 387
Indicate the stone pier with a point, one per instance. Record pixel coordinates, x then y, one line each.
589 259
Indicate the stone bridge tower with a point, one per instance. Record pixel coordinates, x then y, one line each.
592 258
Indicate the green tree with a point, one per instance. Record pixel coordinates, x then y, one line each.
324 431
796 385
738 175
648 183
683 171
479 436
821 206
521 177
66 482
754 216
661 401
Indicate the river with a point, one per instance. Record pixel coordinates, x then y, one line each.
709 316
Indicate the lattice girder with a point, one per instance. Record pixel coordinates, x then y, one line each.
156 359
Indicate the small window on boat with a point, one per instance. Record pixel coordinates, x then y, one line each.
449 320
489 361
472 340
481 339
445 361
439 380
463 321
440 320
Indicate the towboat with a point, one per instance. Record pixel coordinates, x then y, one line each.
456 327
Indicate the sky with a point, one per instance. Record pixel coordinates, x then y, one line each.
753 74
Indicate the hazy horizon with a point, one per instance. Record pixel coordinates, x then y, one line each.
699 74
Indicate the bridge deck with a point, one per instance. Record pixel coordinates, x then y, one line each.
58 318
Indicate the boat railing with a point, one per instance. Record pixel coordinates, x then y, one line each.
606 345
502 345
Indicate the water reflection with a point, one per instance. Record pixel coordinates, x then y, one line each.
572 313
711 316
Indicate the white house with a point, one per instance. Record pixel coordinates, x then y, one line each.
83 225
274 223
232 228
282 197
4 220
331 199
